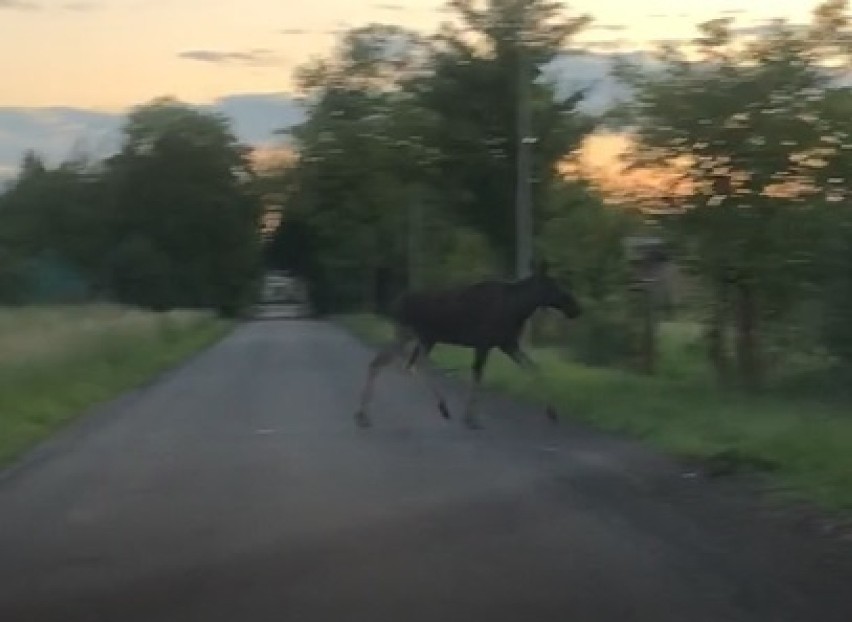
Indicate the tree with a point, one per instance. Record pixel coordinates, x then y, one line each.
359 162
182 202
584 239
406 161
480 69
835 261
55 213
740 123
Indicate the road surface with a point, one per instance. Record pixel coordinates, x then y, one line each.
238 489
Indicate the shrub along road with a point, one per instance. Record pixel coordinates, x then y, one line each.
237 488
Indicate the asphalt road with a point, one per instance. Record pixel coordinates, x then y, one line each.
238 489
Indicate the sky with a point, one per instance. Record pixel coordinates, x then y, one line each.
103 56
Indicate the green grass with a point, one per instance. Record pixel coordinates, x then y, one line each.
806 443
55 362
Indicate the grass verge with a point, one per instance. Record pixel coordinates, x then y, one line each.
57 362
806 443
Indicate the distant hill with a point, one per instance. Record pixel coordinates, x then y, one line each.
57 132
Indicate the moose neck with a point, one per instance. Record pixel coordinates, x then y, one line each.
524 302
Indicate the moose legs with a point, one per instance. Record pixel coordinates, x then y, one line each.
525 362
384 358
422 349
471 419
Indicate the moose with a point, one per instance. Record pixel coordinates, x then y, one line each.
482 316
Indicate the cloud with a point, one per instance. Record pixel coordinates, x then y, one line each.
260 57
587 69
256 116
19 5
607 27
292 31
29 5
602 45
387 6
760 29
767 28
81 7
673 41
55 132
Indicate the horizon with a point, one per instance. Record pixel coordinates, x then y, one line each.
242 59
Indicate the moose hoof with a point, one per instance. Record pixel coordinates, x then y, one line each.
551 414
445 412
362 420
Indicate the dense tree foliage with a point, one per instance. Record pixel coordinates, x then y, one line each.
170 221
410 139
404 173
755 126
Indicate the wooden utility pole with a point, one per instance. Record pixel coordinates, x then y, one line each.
523 186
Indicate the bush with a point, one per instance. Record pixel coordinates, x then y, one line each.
11 278
584 240
56 362
602 336
140 274
837 327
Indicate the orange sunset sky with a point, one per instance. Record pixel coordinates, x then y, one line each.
107 55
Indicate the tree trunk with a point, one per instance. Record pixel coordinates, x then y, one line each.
649 331
749 360
647 283
717 333
644 329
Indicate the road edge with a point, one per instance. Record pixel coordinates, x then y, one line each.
79 423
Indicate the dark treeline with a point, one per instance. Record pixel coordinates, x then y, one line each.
171 221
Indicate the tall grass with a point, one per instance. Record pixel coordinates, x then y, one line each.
806 442
57 361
